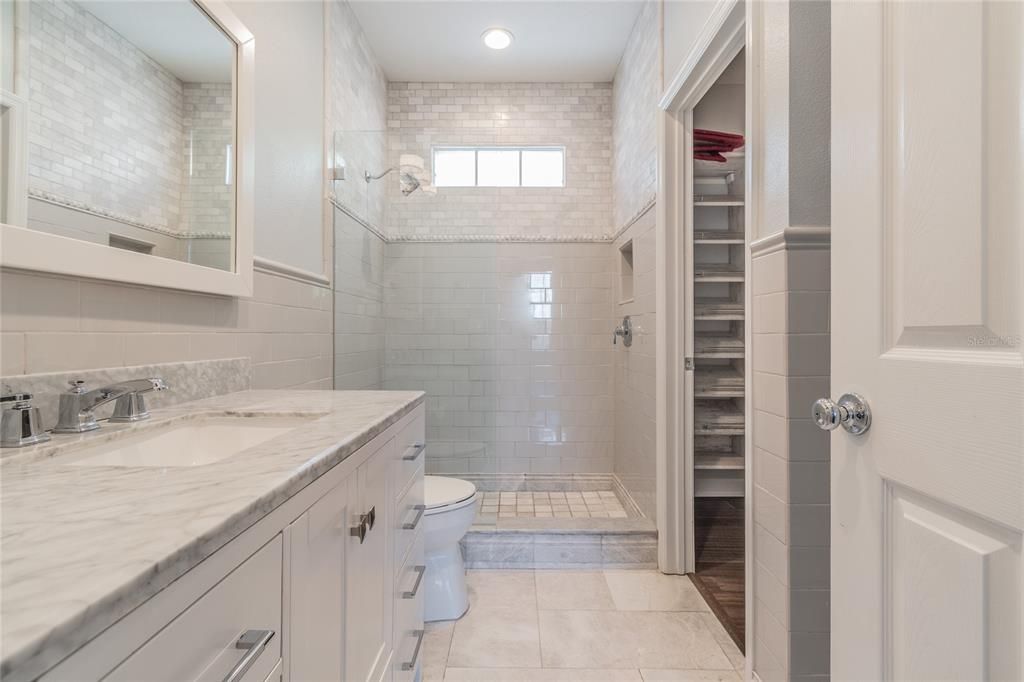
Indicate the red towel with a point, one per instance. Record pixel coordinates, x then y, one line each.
708 144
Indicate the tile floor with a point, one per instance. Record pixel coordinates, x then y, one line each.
591 504
581 626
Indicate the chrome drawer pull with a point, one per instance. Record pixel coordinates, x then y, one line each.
418 450
411 665
253 642
420 508
411 594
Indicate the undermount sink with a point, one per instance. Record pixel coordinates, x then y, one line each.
189 443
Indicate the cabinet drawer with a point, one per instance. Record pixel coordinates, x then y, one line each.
408 636
200 643
411 445
409 517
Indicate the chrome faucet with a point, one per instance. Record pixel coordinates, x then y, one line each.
77 404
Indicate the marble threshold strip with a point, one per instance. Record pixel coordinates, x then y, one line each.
490 238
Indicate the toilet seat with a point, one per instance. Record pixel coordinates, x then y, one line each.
443 494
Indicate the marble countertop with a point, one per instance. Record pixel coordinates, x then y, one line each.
82 546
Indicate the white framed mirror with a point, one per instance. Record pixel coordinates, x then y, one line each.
127 142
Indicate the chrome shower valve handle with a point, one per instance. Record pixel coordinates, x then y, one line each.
625 330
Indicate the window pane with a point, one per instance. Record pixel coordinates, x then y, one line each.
454 168
497 168
543 168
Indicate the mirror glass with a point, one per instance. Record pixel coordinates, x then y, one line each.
131 126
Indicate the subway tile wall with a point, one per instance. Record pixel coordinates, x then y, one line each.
635 375
89 91
576 115
207 182
791 466
109 126
356 115
634 185
512 344
358 305
635 92
55 324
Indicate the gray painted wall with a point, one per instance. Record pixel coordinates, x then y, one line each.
809 112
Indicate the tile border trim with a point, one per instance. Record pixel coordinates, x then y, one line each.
793 239
83 207
651 203
333 199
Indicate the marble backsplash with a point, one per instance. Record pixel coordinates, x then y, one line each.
187 381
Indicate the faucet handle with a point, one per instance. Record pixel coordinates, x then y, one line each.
77 386
20 423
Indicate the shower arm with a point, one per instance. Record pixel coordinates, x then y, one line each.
368 176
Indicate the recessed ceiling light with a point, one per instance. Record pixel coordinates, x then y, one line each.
497 38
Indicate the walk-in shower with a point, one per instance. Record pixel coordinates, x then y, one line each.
450 291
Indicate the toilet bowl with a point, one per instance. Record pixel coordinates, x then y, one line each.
450 509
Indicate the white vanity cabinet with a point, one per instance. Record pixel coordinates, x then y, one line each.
334 573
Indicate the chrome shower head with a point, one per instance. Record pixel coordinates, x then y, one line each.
409 183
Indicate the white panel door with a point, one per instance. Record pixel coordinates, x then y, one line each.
927 213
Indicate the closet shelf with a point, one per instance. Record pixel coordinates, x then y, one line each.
717 382
718 460
717 346
717 200
717 272
717 237
717 418
703 170
717 309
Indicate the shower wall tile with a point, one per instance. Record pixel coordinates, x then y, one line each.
358 305
356 126
635 375
511 342
577 116
635 93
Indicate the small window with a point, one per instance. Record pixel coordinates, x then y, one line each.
499 167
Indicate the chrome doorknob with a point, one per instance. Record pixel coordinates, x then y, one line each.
851 412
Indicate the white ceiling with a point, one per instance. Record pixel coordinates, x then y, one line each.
174 33
556 40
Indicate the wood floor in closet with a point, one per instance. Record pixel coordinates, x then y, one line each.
718 527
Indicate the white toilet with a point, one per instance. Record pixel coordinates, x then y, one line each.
450 510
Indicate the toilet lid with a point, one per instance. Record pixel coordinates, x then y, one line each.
443 491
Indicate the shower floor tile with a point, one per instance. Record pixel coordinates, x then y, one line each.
596 504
